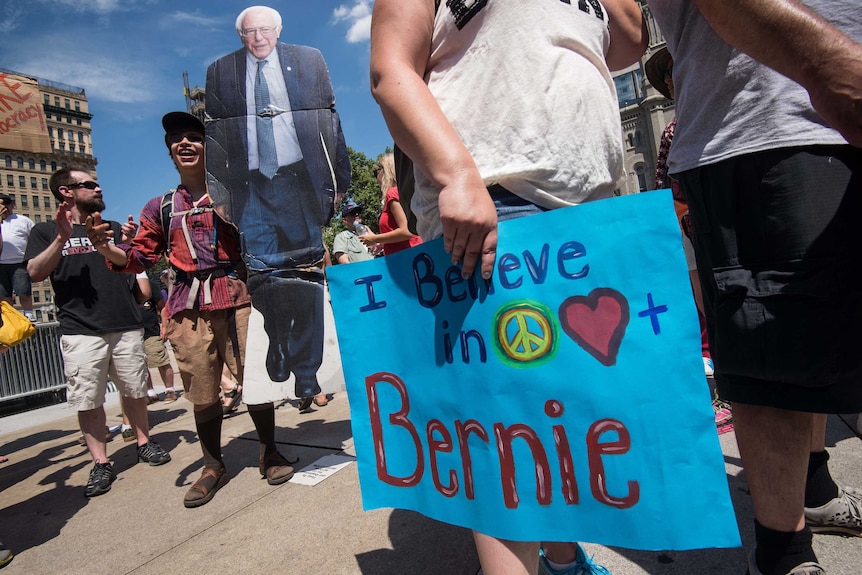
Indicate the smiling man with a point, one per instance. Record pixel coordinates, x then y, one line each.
101 327
208 304
276 158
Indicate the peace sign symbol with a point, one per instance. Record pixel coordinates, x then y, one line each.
524 332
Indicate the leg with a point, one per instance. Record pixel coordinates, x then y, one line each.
501 557
136 411
23 289
774 445
92 422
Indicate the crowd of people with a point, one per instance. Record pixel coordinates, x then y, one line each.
765 164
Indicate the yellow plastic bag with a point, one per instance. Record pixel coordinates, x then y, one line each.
15 327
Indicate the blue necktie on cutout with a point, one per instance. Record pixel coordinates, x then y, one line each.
267 157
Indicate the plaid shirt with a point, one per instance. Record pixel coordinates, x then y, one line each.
215 241
661 179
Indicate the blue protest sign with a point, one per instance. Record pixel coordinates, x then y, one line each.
563 400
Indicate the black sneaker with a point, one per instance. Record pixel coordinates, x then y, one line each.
153 454
101 477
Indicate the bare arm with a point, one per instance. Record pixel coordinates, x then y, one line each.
629 34
42 265
399 234
400 46
788 37
100 235
342 258
144 291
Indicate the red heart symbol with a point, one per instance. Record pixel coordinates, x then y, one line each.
596 322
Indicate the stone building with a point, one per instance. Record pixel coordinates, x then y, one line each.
644 113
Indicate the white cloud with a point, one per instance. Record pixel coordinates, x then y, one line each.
194 19
101 7
358 16
10 17
99 75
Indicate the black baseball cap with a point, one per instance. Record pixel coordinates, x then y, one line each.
5 198
174 122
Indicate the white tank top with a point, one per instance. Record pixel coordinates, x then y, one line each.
526 87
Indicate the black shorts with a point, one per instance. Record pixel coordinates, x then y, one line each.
778 238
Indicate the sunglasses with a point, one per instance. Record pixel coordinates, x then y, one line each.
89 184
193 138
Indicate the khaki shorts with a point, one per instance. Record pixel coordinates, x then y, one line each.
157 355
90 359
202 343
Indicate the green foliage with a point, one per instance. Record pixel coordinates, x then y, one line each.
363 190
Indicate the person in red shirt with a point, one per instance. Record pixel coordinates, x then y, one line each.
394 234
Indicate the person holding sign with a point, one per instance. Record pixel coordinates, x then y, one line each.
768 98
527 123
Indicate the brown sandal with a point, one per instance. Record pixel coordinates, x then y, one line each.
203 490
275 468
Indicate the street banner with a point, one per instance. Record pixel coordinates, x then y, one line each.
562 400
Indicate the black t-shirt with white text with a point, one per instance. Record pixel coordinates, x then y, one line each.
91 298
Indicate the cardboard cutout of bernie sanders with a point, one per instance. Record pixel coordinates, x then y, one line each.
276 158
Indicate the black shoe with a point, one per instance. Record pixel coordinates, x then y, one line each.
307 386
153 454
101 477
276 362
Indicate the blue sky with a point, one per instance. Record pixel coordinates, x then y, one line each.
129 56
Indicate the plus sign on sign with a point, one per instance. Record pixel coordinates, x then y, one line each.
555 401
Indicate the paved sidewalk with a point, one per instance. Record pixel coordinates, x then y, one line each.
141 527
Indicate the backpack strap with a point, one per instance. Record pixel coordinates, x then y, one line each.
167 209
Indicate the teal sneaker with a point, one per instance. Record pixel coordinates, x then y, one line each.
583 565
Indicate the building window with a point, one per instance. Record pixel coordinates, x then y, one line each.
50 131
42 165
82 149
81 137
48 115
49 219
639 171
53 166
62 146
79 121
31 163
66 100
638 138
47 100
10 180
631 140
57 101
69 120
35 296
8 161
33 184
23 201
45 187
21 182
36 202
77 106
20 162
37 219
60 133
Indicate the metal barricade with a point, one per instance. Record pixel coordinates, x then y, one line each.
34 366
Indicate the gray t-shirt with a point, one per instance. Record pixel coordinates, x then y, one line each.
727 104
348 243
